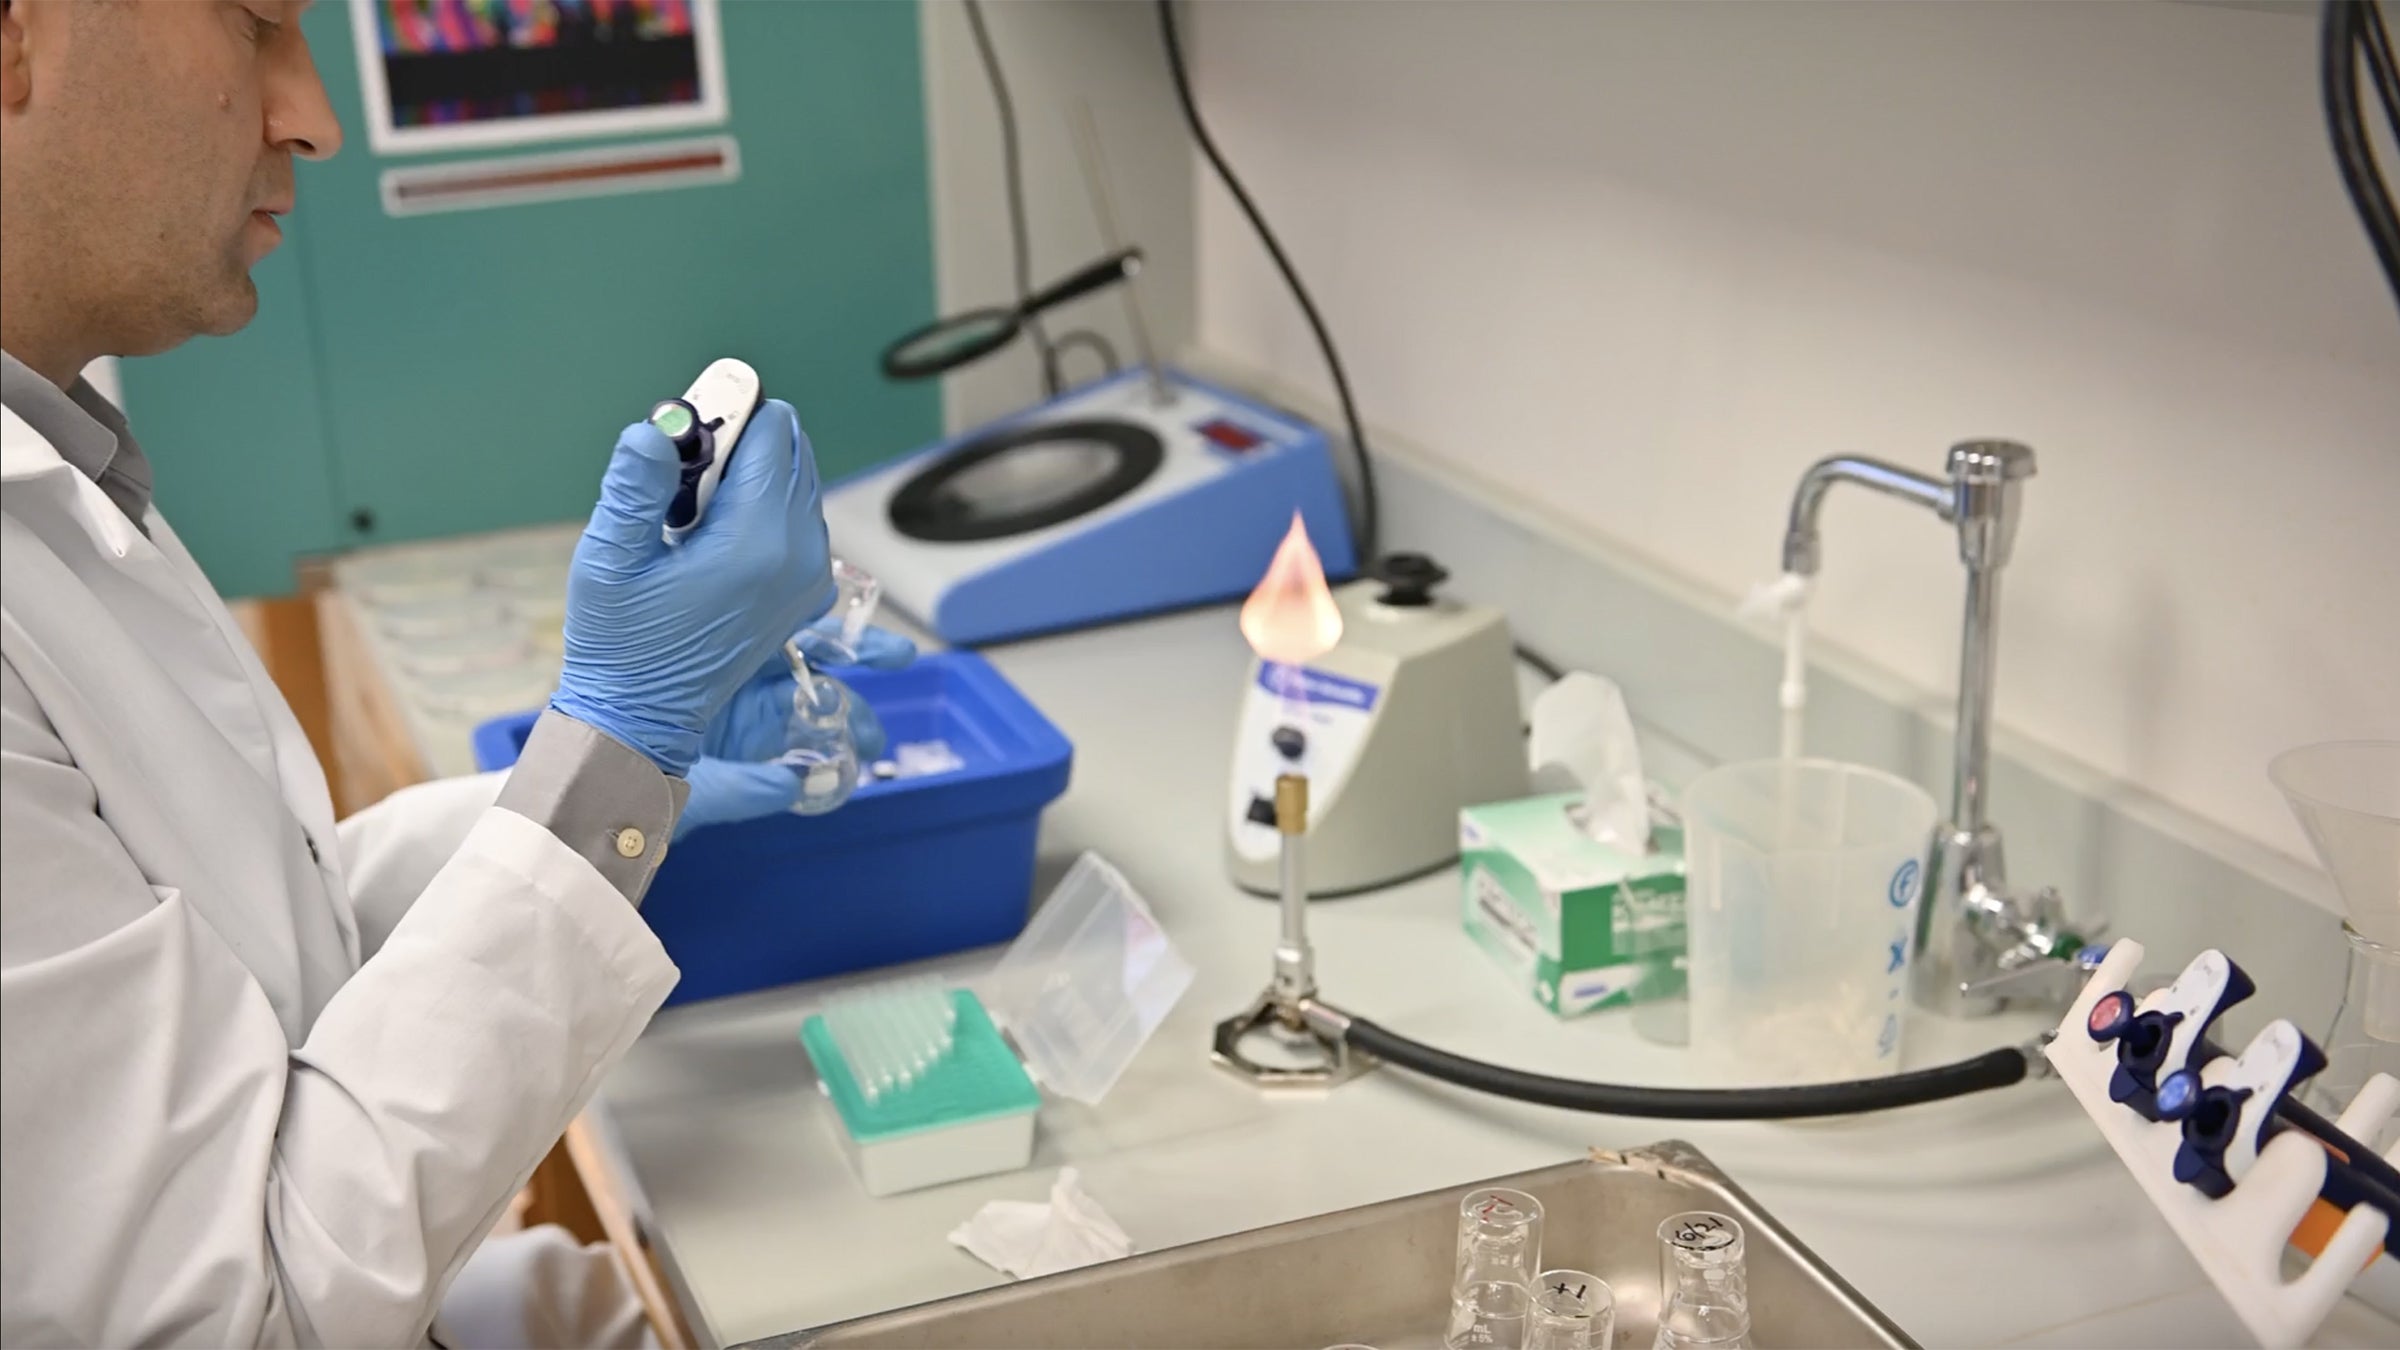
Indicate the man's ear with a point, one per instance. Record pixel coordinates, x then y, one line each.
16 67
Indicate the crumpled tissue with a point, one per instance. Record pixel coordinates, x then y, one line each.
1027 1240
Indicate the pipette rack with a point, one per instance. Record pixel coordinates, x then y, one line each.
2238 1240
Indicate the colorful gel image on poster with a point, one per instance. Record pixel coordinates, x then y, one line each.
533 69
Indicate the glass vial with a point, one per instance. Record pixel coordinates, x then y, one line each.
817 738
1572 1310
818 745
2366 1032
1499 1249
1704 1292
839 639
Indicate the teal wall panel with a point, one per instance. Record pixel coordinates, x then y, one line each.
470 370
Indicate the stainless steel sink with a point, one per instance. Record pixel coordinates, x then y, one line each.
1380 1275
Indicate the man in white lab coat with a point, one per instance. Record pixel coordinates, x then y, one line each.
266 1079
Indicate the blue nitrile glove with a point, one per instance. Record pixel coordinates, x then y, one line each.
729 784
659 636
753 725
726 791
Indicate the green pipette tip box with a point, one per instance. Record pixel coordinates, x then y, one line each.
969 1113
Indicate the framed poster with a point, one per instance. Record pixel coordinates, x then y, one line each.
469 74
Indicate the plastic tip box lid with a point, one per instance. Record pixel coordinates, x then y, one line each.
1089 980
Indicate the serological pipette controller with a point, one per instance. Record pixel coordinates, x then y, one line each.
705 425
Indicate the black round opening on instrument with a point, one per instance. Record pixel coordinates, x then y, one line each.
1024 478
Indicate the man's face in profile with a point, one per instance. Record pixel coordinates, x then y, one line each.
148 153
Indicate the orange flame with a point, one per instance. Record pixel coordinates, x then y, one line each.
1291 617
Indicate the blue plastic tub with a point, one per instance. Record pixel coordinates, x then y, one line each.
909 868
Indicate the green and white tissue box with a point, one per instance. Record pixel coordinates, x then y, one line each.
1583 924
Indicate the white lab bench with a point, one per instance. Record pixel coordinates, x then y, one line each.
2000 1219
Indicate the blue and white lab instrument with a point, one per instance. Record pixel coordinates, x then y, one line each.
1116 500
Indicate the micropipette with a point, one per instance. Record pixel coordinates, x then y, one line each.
705 425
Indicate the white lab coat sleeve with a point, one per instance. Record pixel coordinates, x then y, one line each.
391 850
539 1287
178 1173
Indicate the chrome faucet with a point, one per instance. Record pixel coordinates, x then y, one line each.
1979 945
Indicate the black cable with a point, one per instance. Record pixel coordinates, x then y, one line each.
1013 169
1101 347
1997 1069
2346 32
1369 510
2377 43
1548 669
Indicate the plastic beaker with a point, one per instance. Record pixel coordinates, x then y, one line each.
1802 883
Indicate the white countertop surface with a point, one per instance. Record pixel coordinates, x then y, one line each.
1999 1219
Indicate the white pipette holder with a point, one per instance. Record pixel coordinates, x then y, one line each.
2238 1240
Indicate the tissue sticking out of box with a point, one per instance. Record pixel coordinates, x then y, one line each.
1583 740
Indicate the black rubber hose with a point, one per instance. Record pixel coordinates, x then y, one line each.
1998 1069
2376 42
2344 35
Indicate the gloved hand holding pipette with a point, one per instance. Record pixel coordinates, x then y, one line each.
658 636
752 725
736 778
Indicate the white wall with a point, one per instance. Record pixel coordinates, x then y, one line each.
1644 262
1055 52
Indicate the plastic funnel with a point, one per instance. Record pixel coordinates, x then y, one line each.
2347 796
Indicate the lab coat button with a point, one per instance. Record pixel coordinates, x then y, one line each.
630 842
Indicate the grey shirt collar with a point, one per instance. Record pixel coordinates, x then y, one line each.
87 431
